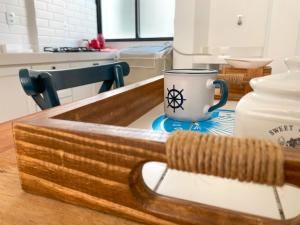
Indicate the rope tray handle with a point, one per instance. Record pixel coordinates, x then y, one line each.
233 78
260 161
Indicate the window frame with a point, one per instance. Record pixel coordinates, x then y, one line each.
137 26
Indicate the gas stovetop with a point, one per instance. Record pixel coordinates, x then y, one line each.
68 49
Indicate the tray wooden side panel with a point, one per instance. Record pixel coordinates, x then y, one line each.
121 109
99 167
82 170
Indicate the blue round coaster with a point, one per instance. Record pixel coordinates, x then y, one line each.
221 122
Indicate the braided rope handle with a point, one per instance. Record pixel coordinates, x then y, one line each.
260 161
233 78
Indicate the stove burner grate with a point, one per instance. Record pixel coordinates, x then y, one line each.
68 49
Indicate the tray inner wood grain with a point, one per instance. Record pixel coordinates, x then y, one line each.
120 109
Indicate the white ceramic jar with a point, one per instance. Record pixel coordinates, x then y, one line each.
272 110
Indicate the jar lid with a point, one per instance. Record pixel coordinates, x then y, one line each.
287 83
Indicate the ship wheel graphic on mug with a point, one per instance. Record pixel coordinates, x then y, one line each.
175 98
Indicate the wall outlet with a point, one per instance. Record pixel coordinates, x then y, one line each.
11 18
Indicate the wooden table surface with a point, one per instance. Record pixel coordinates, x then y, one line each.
18 207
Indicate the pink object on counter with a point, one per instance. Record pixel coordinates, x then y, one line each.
101 40
109 50
94 44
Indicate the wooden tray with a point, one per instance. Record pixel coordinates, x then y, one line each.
81 153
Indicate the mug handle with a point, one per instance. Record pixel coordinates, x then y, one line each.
223 94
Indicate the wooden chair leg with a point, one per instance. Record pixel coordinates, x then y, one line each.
118 74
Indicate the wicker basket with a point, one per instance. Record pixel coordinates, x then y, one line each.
238 80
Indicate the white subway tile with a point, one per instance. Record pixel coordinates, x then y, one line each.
11 38
59 22
19 11
59 2
41 5
2 18
4 28
44 39
73 7
75 35
56 9
42 22
46 31
44 14
10 2
74 21
22 3
59 40
60 33
59 17
72 27
2 8
17 29
48 1
56 25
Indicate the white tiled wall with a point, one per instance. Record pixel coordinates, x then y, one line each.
54 23
17 33
65 22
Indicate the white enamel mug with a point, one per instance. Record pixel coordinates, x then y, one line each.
189 94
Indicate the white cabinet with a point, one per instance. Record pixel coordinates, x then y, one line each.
223 23
14 102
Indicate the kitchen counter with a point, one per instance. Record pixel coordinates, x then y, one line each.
11 59
209 59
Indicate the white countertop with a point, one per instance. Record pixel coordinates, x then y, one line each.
209 59
10 59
